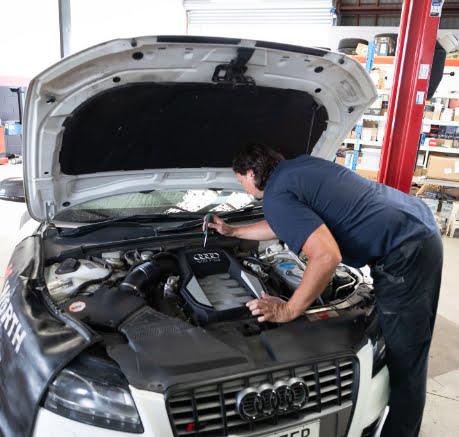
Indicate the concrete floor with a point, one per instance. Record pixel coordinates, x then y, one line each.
441 416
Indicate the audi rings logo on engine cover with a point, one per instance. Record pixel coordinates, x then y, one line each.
210 256
267 400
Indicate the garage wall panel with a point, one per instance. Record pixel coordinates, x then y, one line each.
296 22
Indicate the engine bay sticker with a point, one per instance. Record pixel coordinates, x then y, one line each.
323 315
76 307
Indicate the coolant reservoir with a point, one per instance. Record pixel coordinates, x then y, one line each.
290 273
64 278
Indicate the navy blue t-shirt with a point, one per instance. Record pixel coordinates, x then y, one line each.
368 220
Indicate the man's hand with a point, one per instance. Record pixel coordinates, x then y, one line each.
255 231
220 226
271 309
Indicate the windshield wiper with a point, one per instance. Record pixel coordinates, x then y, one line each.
236 213
193 219
133 220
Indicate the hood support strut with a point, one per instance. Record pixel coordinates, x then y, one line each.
309 146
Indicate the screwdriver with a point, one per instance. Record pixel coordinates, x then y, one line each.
207 219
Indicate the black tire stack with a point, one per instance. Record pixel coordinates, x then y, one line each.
348 45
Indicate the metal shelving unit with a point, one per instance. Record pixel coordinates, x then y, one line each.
367 143
358 142
440 122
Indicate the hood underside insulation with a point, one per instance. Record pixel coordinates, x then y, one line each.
152 126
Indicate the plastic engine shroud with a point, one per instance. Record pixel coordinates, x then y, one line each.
216 286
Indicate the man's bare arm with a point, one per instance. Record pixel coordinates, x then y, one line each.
324 256
255 231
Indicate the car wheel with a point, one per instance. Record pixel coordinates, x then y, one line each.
347 50
13 161
351 43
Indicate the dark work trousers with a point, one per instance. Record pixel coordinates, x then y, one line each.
407 285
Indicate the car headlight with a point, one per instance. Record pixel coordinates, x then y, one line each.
91 400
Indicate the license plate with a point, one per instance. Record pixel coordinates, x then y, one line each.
306 430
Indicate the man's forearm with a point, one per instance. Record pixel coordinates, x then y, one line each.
256 231
315 279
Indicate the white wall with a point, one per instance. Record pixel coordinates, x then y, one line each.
289 34
29 29
29 35
95 21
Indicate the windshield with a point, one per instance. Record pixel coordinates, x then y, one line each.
169 203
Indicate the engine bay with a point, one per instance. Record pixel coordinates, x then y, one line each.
197 285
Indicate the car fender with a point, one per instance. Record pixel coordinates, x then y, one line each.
37 339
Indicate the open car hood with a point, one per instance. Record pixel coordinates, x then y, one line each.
170 112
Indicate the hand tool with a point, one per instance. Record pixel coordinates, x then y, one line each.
207 219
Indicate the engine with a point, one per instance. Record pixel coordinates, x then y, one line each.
198 285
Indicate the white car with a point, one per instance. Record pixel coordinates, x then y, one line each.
114 319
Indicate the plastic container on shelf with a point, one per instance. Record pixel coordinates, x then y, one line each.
385 44
348 159
370 158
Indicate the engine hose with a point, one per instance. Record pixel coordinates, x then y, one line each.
139 276
257 261
147 273
94 281
154 257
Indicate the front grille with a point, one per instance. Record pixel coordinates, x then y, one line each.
210 410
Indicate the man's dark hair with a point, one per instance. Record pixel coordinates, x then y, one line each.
261 159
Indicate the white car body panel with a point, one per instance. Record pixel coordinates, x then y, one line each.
346 92
373 395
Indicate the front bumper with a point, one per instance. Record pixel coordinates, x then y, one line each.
372 398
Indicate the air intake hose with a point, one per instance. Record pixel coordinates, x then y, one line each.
140 276
149 272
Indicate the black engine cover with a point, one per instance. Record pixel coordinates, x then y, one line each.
105 308
216 286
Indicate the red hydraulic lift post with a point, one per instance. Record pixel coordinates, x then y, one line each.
415 49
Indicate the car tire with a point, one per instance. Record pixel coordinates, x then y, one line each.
13 161
352 43
347 50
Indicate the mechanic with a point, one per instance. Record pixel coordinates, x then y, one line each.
334 215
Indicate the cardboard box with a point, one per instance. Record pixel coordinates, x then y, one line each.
378 77
366 133
339 160
420 171
361 50
436 115
447 115
372 175
432 142
428 114
440 167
